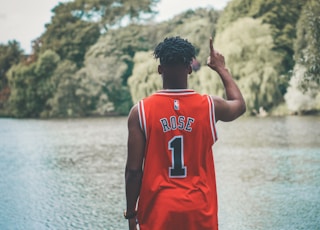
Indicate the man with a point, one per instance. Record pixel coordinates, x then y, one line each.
170 176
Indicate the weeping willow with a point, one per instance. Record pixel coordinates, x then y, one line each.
247 46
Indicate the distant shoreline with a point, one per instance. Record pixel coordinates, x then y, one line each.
110 115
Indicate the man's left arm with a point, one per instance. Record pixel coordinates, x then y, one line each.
133 170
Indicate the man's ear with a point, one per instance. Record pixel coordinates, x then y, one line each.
190 69
159 69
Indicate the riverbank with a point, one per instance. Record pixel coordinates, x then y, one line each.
4 114
279 111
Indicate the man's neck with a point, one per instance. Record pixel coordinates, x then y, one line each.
175 85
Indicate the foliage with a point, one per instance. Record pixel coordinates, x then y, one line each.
206 81
10 54
196 26
282 17
108 13
303 93
30 85
110 62
87 62
67 35
247 47
144 80
307 44
107 66
64 102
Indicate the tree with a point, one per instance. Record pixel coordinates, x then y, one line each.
64 102
109 13
98 81
30 85
73 29
76 25
247 46
144 80
100 86
104 86
307 44
282 17
206 81
10 54
195 25
107 66
303 92
22 97
67 35
192 25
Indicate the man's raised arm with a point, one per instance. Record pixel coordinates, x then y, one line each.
234 106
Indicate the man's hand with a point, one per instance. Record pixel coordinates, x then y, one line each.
215 60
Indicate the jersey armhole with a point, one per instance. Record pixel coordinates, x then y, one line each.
142 117
212 119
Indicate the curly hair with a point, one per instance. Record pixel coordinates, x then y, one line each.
175 51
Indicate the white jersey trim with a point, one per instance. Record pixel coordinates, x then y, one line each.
212 119
142 117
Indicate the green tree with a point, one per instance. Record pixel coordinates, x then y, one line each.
195 25
76 25
206 81
192 25
107 66
64 102
145 79
23 96
282 17
307 44
74 28
109 13
67 35
247 46
101 85
30 85
10 54
303 95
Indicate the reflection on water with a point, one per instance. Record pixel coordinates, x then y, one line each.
68 174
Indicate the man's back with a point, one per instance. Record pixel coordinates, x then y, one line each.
178 186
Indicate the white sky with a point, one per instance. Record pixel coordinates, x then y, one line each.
24 20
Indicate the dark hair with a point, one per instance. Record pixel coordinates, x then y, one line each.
175 51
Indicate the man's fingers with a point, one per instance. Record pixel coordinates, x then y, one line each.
211 45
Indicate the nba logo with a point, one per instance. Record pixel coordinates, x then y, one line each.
176 104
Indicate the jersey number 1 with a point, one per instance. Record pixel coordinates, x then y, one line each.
175 145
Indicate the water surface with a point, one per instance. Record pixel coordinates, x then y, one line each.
68 174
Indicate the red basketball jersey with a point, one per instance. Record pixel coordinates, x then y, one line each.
178 187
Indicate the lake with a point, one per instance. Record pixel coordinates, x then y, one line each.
69 173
